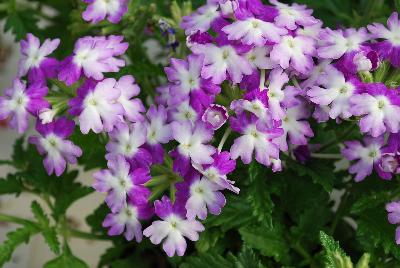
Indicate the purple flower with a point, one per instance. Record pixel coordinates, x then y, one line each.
201 20
293 16
187 82
277 79
120 182
184 112
296 52
393 209
253 31
193 141
20 100
379 108
201 194
34 58
127 219
335 92
389 48
98 10
258 58
255 137
127 140
217 171
215 116
255 102
334 44
97 106
54 145
133 107
173 228
222 61
93 56
367 156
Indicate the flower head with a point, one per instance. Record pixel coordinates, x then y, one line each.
133 107
98 10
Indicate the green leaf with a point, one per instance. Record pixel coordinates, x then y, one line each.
112 254
370 200
206 260
335 257
236 213
247 259
18 155
269 241
20 23
10 185
364 261
66 260
14 239
96 219
49 233
258 194
319 173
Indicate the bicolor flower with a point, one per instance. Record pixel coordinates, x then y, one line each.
126 221
296 52
379 108
21 100
121 183
127 140
366 155
53 144
219 62
293 16
335 44
201 20
98 10
277 79
255 137
389 47
258 58
252 31
34 58
133 107
93 56
97 106
184 112
173 228
201 195
393 209
335 92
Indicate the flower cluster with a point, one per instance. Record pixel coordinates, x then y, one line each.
257 75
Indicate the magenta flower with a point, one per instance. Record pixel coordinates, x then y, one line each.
201 195
19 101
335 44
93 56
215 116
379 108
98 10
34 58
133 107
187 82
173 228
335 93
253 31
219 62
127 221
389 47
120 182
296 52
366 155
53 144
293 16
127 140
393 209
97 106
201 20
257 137
276 95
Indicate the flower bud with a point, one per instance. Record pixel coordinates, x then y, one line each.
47 115
215 115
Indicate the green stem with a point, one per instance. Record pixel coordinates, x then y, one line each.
301 250
340 211
224 138
14 219
88 236
327 156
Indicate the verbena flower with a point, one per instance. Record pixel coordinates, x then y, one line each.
393 209
133 107
98 10
293 16
215 116
201 20
20 100
53 144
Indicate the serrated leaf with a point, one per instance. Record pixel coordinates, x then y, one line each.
96 219
335 257
370 200
14 239
112 254
320 174
49 233
66 260
20 23
10 185
208 239
206 260
258 194
269 241
247 259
